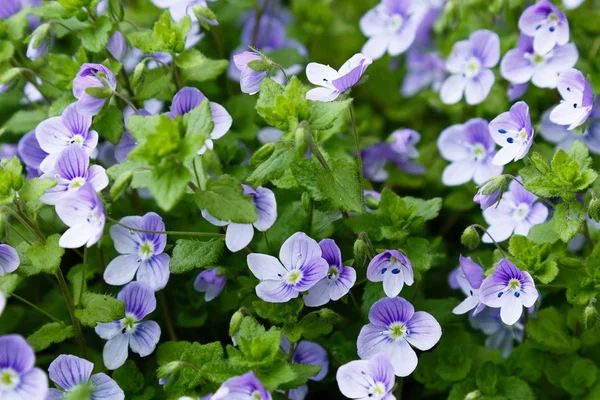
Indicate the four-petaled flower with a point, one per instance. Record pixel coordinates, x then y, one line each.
469 277
131 331
92 76
509 289
300 268
546 24
394 327
244 387
19 379
9 259
367 379
141 252
334 83
512 131
393 268
577 100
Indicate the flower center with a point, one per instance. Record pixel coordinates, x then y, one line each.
9 379
76 183
77 139
514 284
256 395
478 152
377 391
82 391
521 212
95 217
333 273
146 250
397 331
128 324
539 59
472 67
552 17
294 277
395 23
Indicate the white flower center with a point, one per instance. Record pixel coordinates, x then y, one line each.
128 324
514 287
94 217
377 391
395 23
478 152
77 139
256 395
333 273
397 330
521 212
146 250
472 67
76 183
9 379
294 277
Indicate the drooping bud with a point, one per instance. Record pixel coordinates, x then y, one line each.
372 202
168 369
301 140
99 92
262 154
138 73
470 238
489 193
235 323
361 253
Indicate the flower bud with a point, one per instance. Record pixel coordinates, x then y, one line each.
489 193
168 369
474 395
202 12
116 9
594 209
235 323
301 140
372 202
259 65
262 154
470 238
121 184
39 36
138 73
99 92
361 253
590 314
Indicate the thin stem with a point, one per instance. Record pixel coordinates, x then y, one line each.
314 148
267 242
259 13
71 307
290 356
282 71
493 240
358 156
552 285
174 233
164 309
175 73
399 387
128 85
39 309
19 233
196 172
25 221
129 102
83 271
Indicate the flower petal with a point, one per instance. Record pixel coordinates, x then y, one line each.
478 88
155 271
266 209
275 291
139 299
297 250
453 88
387 311
424 331
116 351
145 337
312 272
265 267
238 236
33 386
511 309
108 330
9 259
68 371
122 269
105 388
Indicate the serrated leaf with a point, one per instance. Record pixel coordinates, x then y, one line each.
48 334
99 308
192 254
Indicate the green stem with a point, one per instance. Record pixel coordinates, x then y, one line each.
493 240
174 233
267 242
83 271
358 156
399 387
19 233
282 71
259 13
314 148
586 233
39 309
175 73
71 307
129 102
164 309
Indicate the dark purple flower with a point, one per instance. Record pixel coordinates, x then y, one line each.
210 282
244 387
334 83
470 149
307 352
20 378
338 281
512 131
546 24
8 8
395 326
577 99
250 80
83 212
141 253
73 373
470 64
131 331
425 69
31 154
117 46
393 268
509 289
371 379
300 268
9 259
92 75
564 138
469 277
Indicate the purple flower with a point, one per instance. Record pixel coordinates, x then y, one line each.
9 259
453 278
393 268
210 282
516 91
189 98
33 53
141 253
469 277
398 149
250 80
564 137
367 379
73 373
244 387
300 268
57 133
92 75
523 64
512 131
71 172
424 70
20 379
499 335
31 153
394 327
391 27
509 289
269 135
517 212
546 24
307 352
117 46
470 64
8 8
470 148
238 235
333 83
83 212
338 281
130 332
486 200
577 100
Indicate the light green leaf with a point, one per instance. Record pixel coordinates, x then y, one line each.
95 38
53 332
99 308
192 254
224 199
34 188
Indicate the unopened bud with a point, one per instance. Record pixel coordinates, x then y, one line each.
121 184
235 323
138 73
168 369
262 154
9 75
259 65
99 92
361 253
301 140
116 9
372 202
590 314
594 209
39 36
470 238
493 185
474 395
202 12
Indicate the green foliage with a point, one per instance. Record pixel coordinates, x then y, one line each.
53 332
40 257
192 254
549 332
34 188
95 38
167 35
535 259
110 123
224 199
99 308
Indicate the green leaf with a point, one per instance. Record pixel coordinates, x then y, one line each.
327 119
9 283
158 137
543 233
568 219
198 126
48 334
34 188
206 71
95 38
549 331
487 378
6 51
514 388
224 199
275 167
157 82
279 313
110 124
129 377
192 254
168 185
318 323
44 257
166 35
281 107
99 308
427 209
24 121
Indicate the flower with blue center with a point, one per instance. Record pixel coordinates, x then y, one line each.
394 327
367 379
470 148
499 335
239 235
509 289
523 64
188 98
391 27
92 76
211 282
72 171
131 331
564 138
393 268
74 376
334 83
577 100
470 64
546 24
299 268
513 132
338 281
307 352
57 133
516 212
141 252
19 379
469 277
244 387
82 211
31 154
425 69
9 259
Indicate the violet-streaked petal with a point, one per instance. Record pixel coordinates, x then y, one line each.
139 299
472 271
297 250
276 291
122 269
210 282
144 338
30 151
33 386
266 209
153 222
155 271
108 330
266 267
308 352
331 252
186 99
222 120
453 88
16 353
478 88
105 388
312 272
387 311
116 351
423 331
485 46
69 371
9 259
126 241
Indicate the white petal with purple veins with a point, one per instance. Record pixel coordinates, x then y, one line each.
155 271
105 388
116 351
145 337
238 236
266 267
122 269
423 331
